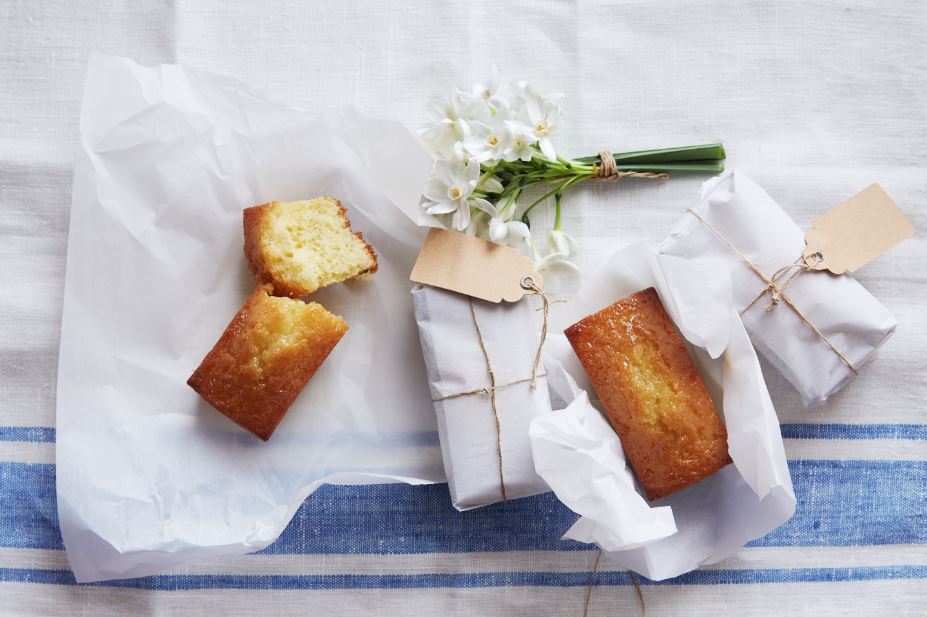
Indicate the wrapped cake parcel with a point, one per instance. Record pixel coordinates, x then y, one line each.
483 361
826 328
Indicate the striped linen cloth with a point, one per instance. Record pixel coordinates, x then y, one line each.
814 101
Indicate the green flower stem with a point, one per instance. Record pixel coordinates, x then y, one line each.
515 176
560 189
707 152
537 201
510 201
700 167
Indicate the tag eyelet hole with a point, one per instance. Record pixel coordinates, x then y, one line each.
527 282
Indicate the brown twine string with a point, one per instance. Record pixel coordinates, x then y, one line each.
484 391
528 284
592 577
492 398
640 592
595 570
777 292
608 170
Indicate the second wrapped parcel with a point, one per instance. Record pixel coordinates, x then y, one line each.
480 358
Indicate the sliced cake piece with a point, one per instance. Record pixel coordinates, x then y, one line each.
265 357
300 246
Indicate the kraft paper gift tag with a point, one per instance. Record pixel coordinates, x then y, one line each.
480 341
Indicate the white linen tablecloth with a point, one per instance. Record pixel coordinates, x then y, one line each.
813 100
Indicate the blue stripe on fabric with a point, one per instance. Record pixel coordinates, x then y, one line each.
46 434
31 434
854 431
470 580
840 503
28 507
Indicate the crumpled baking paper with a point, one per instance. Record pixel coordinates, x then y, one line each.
580 457
148 475
481 456
848 315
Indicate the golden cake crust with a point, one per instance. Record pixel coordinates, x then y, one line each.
653 396
264 358
255 221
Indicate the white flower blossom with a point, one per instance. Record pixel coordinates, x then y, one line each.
449 189
501 228
558 241
493 128
489 142
554 260
489 184
560 274
448 122
490 90
517 94
479 225
522 148
539 121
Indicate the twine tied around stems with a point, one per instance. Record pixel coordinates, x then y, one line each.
607 170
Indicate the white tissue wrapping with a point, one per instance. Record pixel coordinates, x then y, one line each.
848 315
579 456
470 440
148 475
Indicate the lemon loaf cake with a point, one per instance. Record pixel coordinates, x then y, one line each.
300 246
652 394
265 357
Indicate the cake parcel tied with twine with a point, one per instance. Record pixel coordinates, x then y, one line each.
804 311
482 353
495 163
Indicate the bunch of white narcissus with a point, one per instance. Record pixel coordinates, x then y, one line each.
491 143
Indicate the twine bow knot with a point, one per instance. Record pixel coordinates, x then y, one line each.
776 291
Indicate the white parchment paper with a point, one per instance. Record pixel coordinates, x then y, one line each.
579 455
148 475
842 309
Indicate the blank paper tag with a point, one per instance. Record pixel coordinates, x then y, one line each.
855 232
471 266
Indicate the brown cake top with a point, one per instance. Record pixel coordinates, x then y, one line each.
268 352
654 397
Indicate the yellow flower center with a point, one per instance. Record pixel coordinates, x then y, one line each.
540 128
493 140
455 192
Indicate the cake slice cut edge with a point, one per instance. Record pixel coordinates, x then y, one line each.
265 357
301 246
